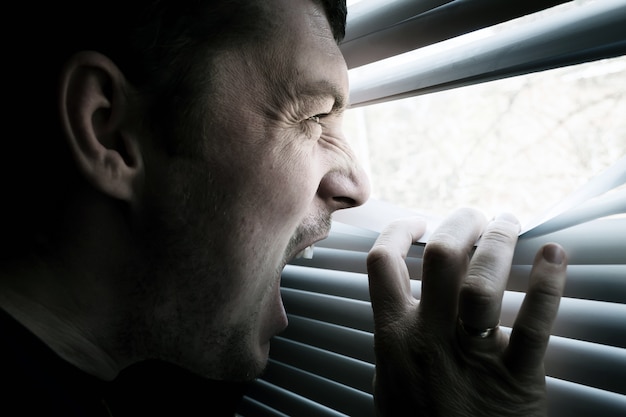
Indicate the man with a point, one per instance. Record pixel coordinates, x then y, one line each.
183 152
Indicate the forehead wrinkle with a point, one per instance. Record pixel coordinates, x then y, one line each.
318 27
301 79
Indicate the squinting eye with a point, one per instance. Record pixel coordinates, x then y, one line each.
315 119
318 118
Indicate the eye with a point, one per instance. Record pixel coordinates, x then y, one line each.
317 118
314 126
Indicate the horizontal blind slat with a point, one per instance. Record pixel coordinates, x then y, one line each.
599 242
343 340
324 391
592 321
288 402
592 282
329 308
567 399
339 368
591 364
336 283
250 407
350 261
427 26
596 242
326 281
335 259
371 16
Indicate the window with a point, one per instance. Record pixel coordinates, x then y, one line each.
540 103
519 144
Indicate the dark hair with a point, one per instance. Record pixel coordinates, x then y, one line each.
154 42
336 13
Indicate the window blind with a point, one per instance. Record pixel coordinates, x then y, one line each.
589 32
378 29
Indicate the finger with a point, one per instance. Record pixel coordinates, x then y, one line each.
480 300
389 283
445 261
531 331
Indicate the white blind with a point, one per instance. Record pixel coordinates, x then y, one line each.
378 29
592 31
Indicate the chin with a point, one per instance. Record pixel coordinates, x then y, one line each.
260 360
251 367
238 370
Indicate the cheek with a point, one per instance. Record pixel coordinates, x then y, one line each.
276 204
291 177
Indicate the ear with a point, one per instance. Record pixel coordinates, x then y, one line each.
98 116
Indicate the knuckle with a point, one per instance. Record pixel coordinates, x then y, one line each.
501 235
480 295
489 270
379 258
443 251
443 257
547 290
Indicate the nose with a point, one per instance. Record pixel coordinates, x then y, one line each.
344 188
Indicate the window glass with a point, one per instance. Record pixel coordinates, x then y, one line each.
519 144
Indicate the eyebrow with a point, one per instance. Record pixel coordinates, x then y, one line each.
325 88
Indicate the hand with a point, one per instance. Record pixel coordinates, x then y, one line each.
427 364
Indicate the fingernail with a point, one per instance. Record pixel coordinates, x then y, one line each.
553 254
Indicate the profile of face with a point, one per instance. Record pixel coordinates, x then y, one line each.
272 168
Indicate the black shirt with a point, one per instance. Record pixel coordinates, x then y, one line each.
37 382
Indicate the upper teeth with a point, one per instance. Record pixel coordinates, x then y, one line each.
306 253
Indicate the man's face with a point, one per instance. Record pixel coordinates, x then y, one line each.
262 189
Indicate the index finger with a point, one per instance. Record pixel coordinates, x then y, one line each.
389 281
